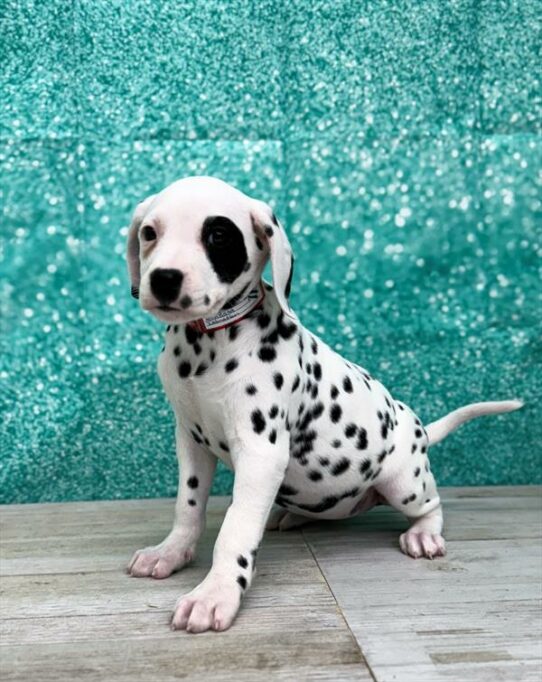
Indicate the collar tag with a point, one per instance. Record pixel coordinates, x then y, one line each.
228 316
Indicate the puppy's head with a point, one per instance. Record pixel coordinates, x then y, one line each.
198 244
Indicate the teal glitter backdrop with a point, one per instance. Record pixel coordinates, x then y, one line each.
398 141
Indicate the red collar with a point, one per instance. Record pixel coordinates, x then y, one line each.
233 314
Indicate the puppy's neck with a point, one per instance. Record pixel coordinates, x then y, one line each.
236 309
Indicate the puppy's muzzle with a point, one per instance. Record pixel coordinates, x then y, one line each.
166 285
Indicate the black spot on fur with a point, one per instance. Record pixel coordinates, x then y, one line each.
258 421
347 385
223 446
295 385
417 472
241 560
259 243
317 371
184 369
328 502
285 329
192 482
233 332
267 354
272 337
251 389
242 581
192 503
340 467
231 365
202 367
317 410
273 437
350 430
287 490
365 465
315 475
418 433
278 380
336 443
324 461
273 411
225 247
263 320
269 230
334 392
335 413
361 442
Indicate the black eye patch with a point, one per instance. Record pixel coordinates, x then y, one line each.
225 247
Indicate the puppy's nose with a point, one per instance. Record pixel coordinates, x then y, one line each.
166 284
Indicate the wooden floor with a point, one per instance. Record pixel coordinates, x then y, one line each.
335 601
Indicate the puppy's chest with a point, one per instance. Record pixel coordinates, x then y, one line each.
199 373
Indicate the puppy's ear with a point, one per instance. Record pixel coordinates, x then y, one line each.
270 232
132 249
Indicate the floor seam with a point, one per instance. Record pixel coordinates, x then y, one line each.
363 657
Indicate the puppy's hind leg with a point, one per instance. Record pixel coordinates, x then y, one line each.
412 490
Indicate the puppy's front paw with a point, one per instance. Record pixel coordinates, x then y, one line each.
159 561
212 605
418 544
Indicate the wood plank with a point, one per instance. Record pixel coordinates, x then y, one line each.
473 615
70 612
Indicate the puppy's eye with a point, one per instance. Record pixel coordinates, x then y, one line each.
218 237
148 233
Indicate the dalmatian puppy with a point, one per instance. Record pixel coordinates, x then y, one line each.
298 424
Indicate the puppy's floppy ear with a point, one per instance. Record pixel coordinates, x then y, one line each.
270 231
132 249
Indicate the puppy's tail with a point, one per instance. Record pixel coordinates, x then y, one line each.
438 430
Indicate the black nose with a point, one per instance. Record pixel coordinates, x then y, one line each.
166 284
